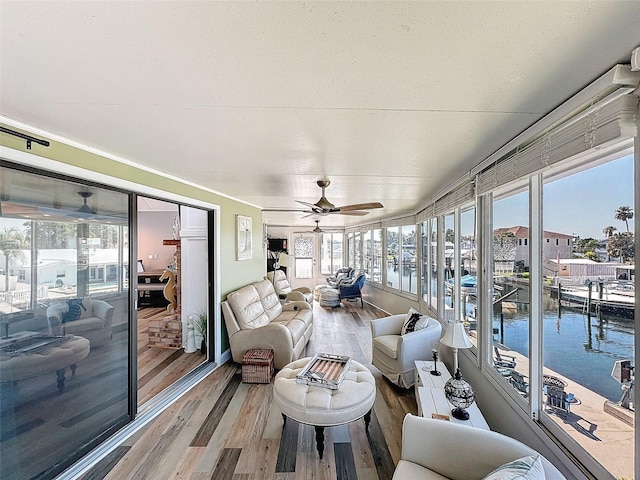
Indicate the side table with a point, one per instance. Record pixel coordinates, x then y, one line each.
431 399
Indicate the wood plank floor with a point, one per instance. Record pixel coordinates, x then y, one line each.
226 429
159 367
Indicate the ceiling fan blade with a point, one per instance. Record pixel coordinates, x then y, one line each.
351 212
310 205
360 206
284 210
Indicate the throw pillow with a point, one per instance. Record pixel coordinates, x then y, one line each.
525 468
77 308
414 321
86 308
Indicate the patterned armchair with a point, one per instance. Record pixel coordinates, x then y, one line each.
344 273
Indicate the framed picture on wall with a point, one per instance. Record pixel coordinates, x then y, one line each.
244 232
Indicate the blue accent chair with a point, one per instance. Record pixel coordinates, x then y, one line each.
352 289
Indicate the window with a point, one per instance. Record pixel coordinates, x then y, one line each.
376 273
426 260
357 248
351 250
447 266
303 251
367 253
433 270
468 271
61 277
393 252
510 295
408 259
594 327
330 252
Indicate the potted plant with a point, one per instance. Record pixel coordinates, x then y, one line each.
200 325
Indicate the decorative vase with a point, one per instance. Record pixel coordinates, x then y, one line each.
190 346
203 347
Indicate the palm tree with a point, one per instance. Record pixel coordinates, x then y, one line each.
608 231
624 214
11 240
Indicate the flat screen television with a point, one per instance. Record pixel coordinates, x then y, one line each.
277 244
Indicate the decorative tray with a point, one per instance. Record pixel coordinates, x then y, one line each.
32 344
325 370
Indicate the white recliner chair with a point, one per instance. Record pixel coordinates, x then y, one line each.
284 290
394 354
437 449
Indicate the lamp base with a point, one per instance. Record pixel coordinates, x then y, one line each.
460 413
432 372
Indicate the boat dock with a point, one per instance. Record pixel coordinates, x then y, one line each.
597 298
601 427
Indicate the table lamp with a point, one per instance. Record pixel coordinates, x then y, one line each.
455 336
460 395
458 391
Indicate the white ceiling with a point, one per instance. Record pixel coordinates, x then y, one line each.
391 101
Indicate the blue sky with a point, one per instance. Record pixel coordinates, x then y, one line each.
582 204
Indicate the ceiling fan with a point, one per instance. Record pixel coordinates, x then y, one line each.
317 229
325 207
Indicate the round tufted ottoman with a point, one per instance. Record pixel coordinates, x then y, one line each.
48 359
323 407
329 297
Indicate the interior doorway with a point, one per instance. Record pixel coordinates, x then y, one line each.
172 246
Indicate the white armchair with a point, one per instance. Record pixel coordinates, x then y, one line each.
394 354
429 451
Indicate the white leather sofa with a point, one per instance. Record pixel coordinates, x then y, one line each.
255 318
441 450
93 322
394 354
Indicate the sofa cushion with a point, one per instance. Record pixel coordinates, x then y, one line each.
387 344
296 322
247 307
83 325
270 301
525 468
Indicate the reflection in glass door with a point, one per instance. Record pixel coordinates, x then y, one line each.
64 311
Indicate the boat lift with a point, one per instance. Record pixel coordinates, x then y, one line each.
623 373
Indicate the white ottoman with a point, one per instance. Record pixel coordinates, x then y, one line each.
329 297
323 407
318 290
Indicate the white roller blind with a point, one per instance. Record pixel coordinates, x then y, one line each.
593 129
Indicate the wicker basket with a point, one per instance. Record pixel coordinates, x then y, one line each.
257 366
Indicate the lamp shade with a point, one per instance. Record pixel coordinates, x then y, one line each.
455 336
286 260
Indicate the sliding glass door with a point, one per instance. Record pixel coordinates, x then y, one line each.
64 320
